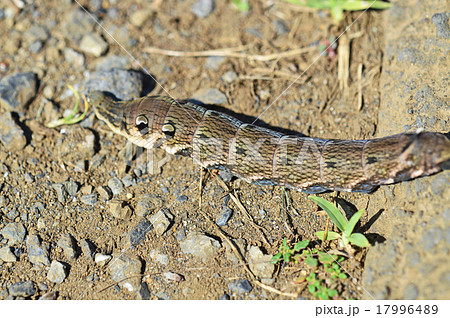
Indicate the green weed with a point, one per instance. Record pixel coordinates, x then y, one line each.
73 117
337 7
347 236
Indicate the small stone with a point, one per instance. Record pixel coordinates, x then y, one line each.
35 47
224 216
281 27
125 270
14 233
49 296
35 33
42 286
22 289
102 259
96 161
93 44
143 293
57 272
105 63
200 245
71 188
36 253
7 255
28 177
12 214
116 185
67 243
440 20
17 90
213 62
225 297
89 199
260 263
240 286
11 133
139 17
145 205
203 8
159 257
182 198
73 57
161 221
229 77
119 209
87 248
41 224
128 181
124 84
78 23
105 193
61 192
210 96
138 233
410 292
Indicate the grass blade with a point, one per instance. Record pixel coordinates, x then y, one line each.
332 211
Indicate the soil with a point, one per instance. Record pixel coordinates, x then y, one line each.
315 105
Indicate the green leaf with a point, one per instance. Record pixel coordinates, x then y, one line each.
72 118
301 245
311 261
352 222
311 289
330 236
332 292
358 239
276 258
332 211
342 276
287 257
241 5
327 258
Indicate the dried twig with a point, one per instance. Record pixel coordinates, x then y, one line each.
229 52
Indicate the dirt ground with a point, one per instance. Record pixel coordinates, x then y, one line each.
317 104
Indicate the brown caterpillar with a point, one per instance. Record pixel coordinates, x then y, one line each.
263 156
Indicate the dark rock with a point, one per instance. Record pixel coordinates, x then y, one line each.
17 90
240 286
22 289
143 293
225 297
224 216
138 233
182 198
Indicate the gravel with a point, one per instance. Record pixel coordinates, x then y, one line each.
240 286
161 221
93 44
116 185
11 133
200 245
224 216
210 96
203 8
14 233
17 91
440 20
36 253
102 259
57 272
138 233
22 289
7 255
69 246
123 267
